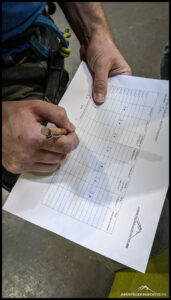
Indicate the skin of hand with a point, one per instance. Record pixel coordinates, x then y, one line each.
24 148
104 60
98 49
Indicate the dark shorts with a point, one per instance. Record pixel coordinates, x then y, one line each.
28 77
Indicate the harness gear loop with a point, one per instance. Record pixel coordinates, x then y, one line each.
40 49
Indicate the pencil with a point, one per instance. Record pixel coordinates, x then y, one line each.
51 132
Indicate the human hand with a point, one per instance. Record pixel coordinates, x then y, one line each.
24 148
104 60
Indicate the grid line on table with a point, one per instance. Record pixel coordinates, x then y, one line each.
90 183
127 152
140 92
93 201
75 180
116 113
81 189
107 155
96 196
75 216
92 168
134 163
81 221
125 190
109 125
120 149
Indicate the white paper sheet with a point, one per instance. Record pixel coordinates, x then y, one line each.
109 193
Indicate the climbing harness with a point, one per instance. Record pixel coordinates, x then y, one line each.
57 76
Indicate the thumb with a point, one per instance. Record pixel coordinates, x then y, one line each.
54 114
100 85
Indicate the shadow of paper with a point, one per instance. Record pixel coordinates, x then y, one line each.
85 177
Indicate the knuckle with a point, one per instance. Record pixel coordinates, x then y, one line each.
37 103
100 84
61 157
62 112
15 168
17 157
52 168
129 71
70 143
66 147
11 165
76 141
23 157
32 141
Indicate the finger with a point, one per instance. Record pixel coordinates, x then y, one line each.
43 168
54 114
64 144
100 85
124 71
44 156
36 167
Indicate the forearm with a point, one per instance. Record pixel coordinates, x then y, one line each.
86 19
97 47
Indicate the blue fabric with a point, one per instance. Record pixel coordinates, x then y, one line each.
43 21
7 51
38 48
16 18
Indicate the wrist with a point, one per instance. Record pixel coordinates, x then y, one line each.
97 32
87 19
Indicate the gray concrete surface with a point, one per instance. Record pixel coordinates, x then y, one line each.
37 263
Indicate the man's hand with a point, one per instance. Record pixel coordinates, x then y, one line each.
90 25
24 148
104 60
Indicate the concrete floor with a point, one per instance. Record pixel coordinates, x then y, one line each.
38 263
